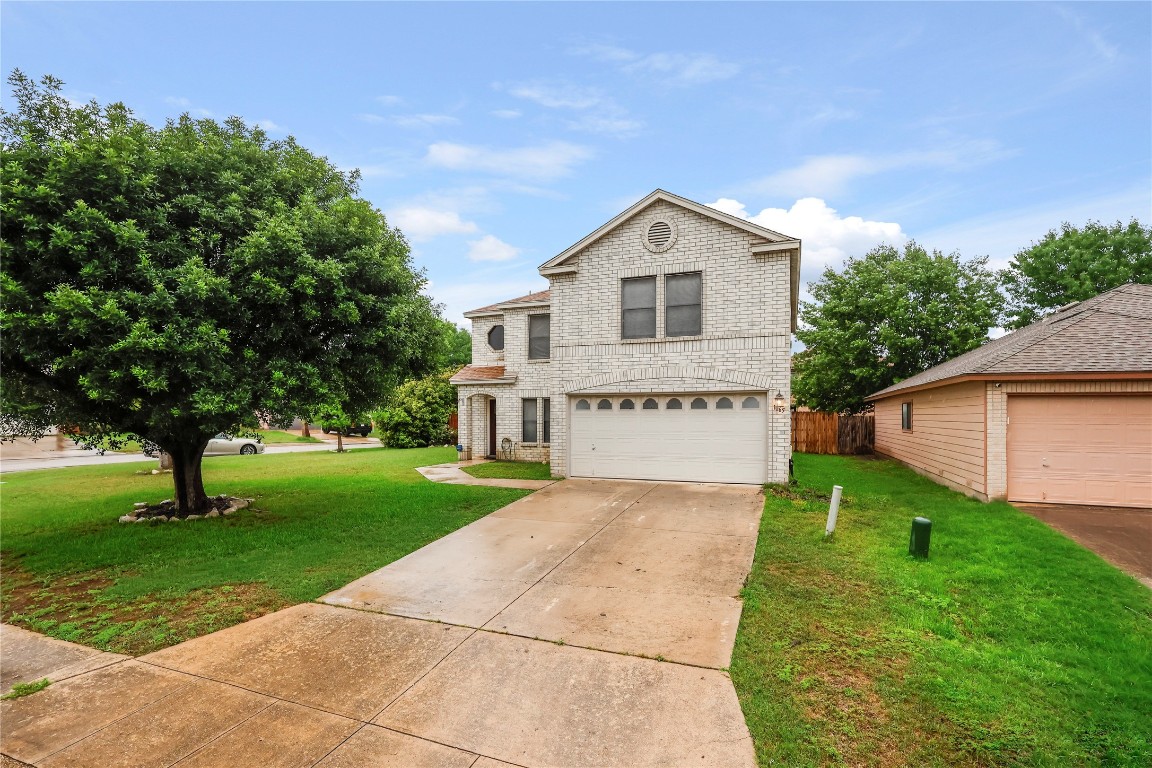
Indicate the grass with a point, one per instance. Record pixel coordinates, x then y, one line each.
26 689
511 470
276 436
1010 645
320 520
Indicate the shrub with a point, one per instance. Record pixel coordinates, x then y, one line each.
417 414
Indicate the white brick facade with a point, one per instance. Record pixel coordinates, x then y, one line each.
747 306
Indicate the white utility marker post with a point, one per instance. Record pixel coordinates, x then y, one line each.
833 510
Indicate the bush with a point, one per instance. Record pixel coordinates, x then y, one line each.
417 414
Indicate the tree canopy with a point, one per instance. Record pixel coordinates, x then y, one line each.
456 347
1072 264
887 316
168 283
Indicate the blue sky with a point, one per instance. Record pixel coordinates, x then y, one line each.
497 134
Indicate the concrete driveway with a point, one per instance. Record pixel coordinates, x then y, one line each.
517 640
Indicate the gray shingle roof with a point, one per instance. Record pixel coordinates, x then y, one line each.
1109 333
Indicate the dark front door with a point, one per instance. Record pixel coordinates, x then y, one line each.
492 428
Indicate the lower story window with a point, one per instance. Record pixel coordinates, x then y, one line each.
906 416
528 412
536 420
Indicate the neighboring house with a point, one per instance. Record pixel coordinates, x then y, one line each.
1059 411
661 351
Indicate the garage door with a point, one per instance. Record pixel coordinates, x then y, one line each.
719 438
1080 449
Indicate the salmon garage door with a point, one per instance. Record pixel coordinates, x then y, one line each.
1080 449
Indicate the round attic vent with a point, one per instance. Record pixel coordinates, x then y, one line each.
660 235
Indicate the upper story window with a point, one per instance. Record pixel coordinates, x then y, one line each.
638 307
496 337
539 337
682 304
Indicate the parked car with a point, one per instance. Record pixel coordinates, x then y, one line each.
352 429
223 444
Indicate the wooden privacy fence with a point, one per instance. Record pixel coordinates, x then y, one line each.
818 432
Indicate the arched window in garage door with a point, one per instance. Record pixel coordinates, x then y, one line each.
582 405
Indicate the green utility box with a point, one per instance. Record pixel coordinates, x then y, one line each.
921 535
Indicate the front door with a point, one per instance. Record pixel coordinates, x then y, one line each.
492 428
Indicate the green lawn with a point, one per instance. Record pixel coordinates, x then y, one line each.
511 470
1011 645
320 520
275 436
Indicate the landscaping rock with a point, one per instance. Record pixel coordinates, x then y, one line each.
213 513
240 503
194 517
140 504
127 518
141 520
228 511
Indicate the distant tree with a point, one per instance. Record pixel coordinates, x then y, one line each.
888 316
417 414
1075 264
456 347
166 284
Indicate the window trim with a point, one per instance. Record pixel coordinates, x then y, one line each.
488 338
654 308
906 416
525 422
548 317
545 410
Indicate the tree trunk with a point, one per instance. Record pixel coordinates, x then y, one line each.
339 441
304 430
190 497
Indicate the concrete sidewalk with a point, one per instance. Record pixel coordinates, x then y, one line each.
454 475
519 640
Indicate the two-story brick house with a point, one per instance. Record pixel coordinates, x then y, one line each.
661 351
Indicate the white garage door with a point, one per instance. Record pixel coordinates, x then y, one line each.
1082 449
718 438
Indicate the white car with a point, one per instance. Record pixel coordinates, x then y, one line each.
222 444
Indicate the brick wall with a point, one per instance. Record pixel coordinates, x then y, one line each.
745 329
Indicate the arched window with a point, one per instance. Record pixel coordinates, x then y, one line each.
604 405
675 405
724 404
750 402
496 337
650 404
699 404
627 405
582 405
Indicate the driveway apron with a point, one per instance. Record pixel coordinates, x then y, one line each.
587 625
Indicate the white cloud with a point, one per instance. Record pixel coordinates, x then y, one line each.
389 101
420 121
491 248
185 105
544 161
831 175
670 67
507 114
419 223
556 95
268 125
828 238
620 127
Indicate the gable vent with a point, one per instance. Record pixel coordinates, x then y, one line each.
659 234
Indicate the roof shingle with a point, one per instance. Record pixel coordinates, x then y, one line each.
1109 333
530 298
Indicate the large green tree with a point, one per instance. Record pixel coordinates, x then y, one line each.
455 347
888 316
1072 264
168 283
